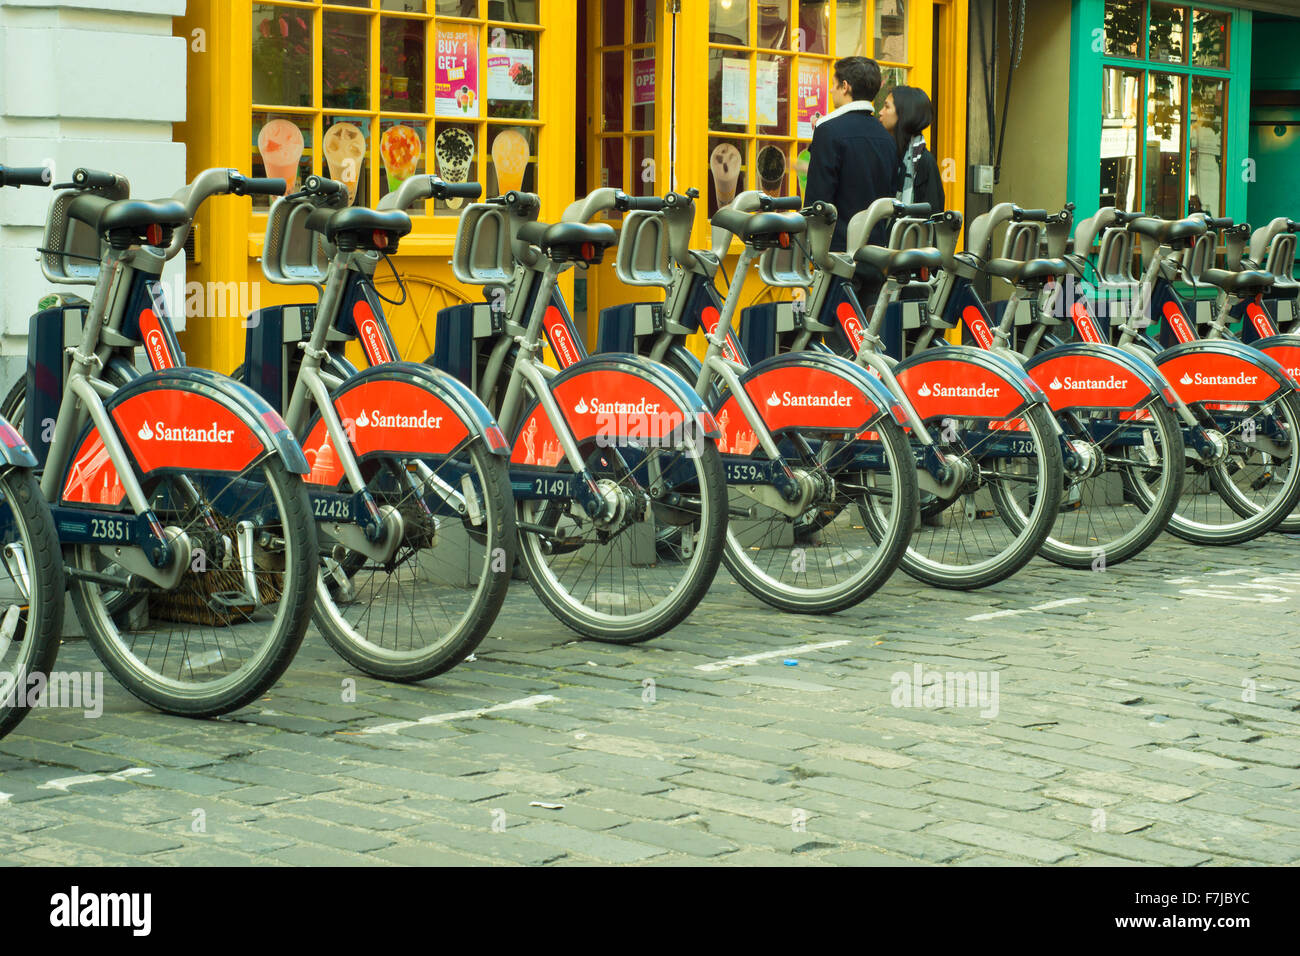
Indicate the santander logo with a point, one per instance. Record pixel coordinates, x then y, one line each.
939 390
597 407
212 435
1113 383
1200 378
380 420
790 400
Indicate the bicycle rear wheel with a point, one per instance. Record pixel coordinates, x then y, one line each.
31 594
991 525
617 577
426 609
230 627
846 543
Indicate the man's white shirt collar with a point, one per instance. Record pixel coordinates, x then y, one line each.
848 107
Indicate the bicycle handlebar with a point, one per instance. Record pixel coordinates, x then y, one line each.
780 203
1028 215
18 176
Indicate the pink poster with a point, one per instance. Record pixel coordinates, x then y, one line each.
812 97
455 75
643 82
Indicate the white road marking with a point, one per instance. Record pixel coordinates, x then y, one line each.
522 704
1025 610
766 655
63 783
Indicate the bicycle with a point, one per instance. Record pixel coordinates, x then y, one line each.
408 485
177 494
32 587
820 473
606 451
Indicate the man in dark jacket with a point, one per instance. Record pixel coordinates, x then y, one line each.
854 160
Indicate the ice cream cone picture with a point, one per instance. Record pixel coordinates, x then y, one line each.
281 145
510 156
345 151
400 149
724 161
771 169
454 151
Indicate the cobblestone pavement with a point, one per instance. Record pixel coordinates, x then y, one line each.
1147 714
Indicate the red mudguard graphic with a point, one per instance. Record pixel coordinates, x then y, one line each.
371 333
162 428
559 334
942 387
602 403
1089 381
1217 376
1285 350
384 415
795 396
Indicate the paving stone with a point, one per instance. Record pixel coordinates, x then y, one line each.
1017 844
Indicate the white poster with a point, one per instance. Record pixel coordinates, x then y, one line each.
735 91
766 84
509 74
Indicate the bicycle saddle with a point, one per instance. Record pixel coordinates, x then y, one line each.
760 225
105 215
1164 230
1246 282
900 261
1017 270
568 234
358 219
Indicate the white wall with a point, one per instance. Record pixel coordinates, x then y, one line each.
94 83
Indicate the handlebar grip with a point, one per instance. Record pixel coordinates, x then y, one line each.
26 176
1124 218
1224 222
783 203
458 191
1030 215
260 186
322 186
645 204
1292 226
819 210
94 179
916 210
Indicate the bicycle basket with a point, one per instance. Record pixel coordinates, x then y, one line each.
482 255
642 257
293 254
74 250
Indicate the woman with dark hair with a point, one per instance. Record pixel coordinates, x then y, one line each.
906 114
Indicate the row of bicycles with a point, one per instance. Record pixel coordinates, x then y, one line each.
814 445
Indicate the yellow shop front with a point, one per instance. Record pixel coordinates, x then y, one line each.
556 97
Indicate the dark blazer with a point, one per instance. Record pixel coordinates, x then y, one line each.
853 162
928 186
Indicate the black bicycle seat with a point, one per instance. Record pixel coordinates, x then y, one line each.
358 219
1026 270
900 261
750 227
565 241
1247 282
105 215
1166 230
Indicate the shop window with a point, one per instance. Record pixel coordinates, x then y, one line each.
371 92
1162 137
770 63
626 94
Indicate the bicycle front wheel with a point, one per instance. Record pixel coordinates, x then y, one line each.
225 633
31 594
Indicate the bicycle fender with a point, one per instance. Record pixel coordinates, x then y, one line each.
810 390
1283 349
959 381
614 395
14 452
399 408
1221 370
179 419
1094 375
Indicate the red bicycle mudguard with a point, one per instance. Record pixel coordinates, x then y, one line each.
611 397
806 390
182 419
1086 375
963 382
1219 370
1283 349
398 409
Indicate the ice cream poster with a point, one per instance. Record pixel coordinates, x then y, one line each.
509 74
455 74
812 97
